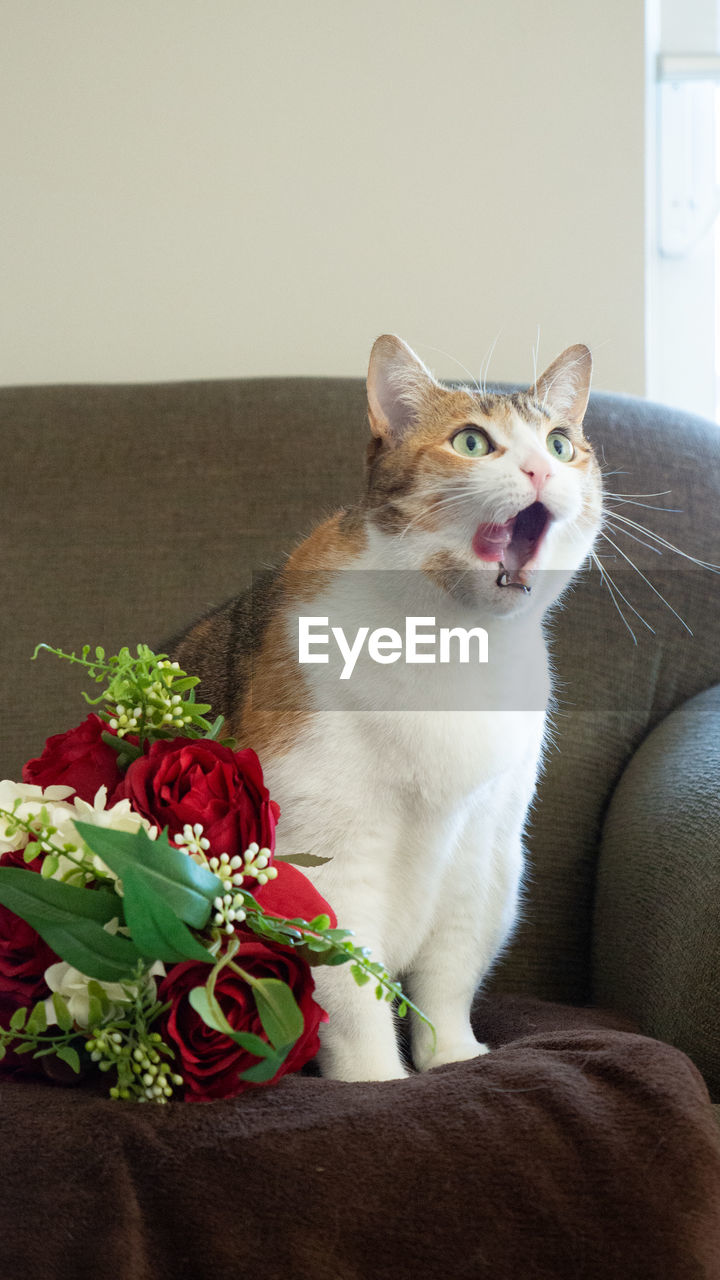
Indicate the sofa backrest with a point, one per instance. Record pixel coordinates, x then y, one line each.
129 510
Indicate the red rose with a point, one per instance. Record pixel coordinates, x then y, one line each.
209 1061
24 956
291 894
78 758
189 780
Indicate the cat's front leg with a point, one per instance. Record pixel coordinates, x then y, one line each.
475 915
359 1041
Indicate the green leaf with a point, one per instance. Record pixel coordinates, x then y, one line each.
279 1013
67 1054
3 1051
154 926
207 1006
264 1071
37 1022
317 944
272 927
49 866
254 1044
97 992
62 1013
128 750
17 1022
187 888
359 975
303 860
188 682
25 1047
31 852
340 935
71 921
94 1011
215 727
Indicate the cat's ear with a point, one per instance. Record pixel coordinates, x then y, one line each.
564 387
397 386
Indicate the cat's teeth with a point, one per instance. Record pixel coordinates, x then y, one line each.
518 579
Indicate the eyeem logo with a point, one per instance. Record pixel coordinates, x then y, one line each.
385 645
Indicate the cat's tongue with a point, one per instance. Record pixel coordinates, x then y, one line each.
491 540
515 543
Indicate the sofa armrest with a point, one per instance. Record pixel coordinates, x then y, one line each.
656 940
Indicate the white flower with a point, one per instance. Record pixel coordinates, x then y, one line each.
120 818
73 986
62 814
32 799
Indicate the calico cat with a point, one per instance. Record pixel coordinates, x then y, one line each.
479 508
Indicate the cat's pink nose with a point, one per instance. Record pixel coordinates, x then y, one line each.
538 468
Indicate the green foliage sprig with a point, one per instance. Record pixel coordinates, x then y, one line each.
123 1043
147 696
28 1027
320 944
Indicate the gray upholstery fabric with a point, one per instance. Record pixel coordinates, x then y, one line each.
656 935
127 511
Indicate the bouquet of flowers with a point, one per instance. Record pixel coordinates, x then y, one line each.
148 929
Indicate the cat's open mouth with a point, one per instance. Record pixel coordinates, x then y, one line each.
515 544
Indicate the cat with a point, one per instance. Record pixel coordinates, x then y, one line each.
416 784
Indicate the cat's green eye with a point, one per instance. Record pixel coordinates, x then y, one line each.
560 446
471 442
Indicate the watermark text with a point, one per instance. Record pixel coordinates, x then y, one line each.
423 642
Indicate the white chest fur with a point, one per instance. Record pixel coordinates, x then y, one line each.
410 777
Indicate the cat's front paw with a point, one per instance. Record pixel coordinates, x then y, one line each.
460 1051
354 1064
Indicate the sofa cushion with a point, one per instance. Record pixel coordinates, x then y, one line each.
656 937
574 1149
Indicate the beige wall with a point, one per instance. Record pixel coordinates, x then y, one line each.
208 188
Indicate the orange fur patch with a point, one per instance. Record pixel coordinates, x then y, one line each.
275 709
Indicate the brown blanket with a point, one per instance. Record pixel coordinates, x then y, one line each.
576 1149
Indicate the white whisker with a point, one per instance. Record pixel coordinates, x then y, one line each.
616 528
669 546
659 594
664 493
535 353
484 368
629 603
452 500
650 506
460 365
607 581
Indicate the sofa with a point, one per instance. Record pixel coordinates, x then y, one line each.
588 1142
